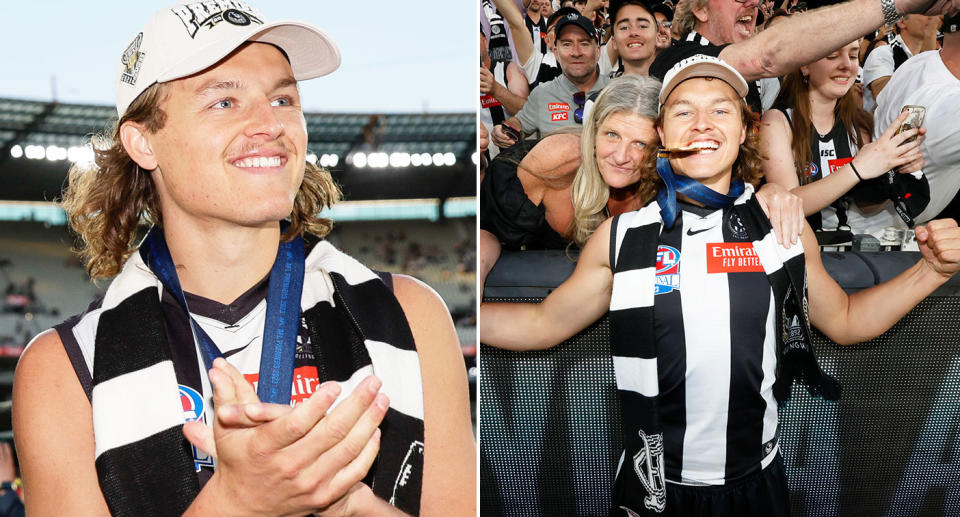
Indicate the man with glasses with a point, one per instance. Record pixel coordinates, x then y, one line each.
664 15
558 103
716 23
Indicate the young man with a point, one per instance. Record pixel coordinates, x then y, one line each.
634 41
224 294
709 317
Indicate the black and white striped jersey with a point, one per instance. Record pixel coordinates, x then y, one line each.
714 321
830 152
538 32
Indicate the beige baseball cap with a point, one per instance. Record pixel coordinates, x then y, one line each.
189 37
701 65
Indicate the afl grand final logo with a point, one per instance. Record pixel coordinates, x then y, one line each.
667 278
192 403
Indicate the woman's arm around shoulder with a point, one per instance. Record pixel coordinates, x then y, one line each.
450 473
776 136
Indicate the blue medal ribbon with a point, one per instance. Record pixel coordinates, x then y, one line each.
693 189
282 321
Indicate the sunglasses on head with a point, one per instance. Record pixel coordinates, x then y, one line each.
579 99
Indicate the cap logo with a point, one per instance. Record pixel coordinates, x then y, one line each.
572 16
699 58
236 17
208 14
132 58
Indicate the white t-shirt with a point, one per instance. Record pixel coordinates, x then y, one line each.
605 65
879 64
924 81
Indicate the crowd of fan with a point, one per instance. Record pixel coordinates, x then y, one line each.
829 129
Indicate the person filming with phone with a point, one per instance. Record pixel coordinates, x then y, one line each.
930 80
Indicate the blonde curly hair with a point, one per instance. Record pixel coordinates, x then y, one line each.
111 202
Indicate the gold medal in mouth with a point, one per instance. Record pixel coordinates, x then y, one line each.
667 152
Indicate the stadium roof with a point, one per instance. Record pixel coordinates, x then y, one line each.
419 155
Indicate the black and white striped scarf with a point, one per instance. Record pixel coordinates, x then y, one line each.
640 486
357 327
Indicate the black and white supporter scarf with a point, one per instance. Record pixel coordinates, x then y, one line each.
357 327
640 485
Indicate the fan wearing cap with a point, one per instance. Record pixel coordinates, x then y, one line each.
727 28
308 384
931 80
708 316
559 103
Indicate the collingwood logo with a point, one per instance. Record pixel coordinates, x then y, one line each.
132 58
208 14
648 464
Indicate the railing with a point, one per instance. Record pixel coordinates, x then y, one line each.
550 432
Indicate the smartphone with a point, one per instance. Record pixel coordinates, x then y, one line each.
512 132
914 119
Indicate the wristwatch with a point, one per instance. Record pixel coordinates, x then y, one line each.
890 14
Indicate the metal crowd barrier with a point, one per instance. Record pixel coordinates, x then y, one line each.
549 420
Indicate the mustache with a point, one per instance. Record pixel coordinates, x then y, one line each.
258 148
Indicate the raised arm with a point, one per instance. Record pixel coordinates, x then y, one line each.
512 97
522 39
775 51
848 319
575 304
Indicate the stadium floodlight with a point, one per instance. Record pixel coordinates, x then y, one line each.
34 152
449 159
425 159
312 158
359 160
82 156
378 160
416 160
16 151
438 159
399 160
56 153
333 160
475 157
